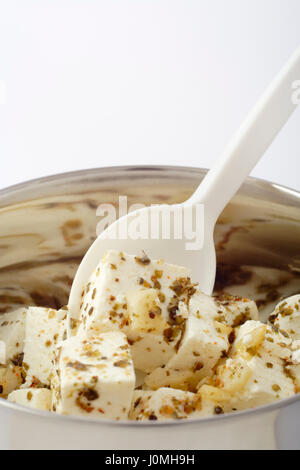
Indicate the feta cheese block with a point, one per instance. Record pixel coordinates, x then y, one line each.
12 334
207 336
164 404
227 309
38 398
214 401
45 328
11 378
286 316
94 377
153 340
235 311
143 298
255 374
203 344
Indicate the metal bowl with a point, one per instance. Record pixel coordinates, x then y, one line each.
47 225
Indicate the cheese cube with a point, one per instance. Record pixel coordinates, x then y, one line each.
235 311
206 339
104 304
255 338
227 309
38 398
12 333
203 344
45 328
94 377
213 401
10 379
286 316
143 298
148 330
255 374
164 404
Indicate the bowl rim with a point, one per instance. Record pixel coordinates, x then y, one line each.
126 423
56 177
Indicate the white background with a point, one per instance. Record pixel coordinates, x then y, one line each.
87 83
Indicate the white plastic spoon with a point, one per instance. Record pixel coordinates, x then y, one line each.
219 186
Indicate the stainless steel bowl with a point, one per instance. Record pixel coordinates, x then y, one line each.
47 225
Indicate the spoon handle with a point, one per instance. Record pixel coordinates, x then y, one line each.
251 141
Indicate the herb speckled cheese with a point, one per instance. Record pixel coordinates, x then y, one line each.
143 298
45 328
214 401
204 341
286 316
226 309
207 336
164 404
10 379
94 377
235 311
255 374
38 398
12 333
